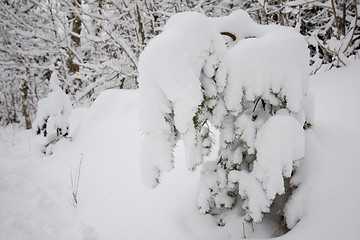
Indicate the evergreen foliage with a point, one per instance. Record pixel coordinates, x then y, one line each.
253 91
52 116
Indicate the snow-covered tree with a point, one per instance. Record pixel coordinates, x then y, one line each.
95 45
331 27
52 115
91 44
249 81
23 57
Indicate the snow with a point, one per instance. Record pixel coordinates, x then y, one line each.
261 59
279 143
263 72
36 199
330 170
53 113
267 64
170 68
181 50
29 202
246 129
114 204
212 178
190 77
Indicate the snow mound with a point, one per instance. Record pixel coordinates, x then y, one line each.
114 204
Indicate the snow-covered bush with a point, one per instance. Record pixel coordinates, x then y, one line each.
52 115
247 80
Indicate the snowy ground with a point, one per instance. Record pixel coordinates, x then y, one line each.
113 203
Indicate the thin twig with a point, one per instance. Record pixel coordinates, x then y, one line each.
256 103
334 12
331 51
353 33
229 34
244 233
74 183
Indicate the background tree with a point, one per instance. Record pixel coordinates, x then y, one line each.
23 57
95 45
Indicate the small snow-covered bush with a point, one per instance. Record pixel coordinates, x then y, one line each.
52 114
247 80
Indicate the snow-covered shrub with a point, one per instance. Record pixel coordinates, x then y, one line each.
52 115
247 80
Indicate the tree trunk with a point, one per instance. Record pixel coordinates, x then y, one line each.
75 42
141 27
12 113
24 90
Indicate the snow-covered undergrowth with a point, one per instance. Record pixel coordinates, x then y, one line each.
52 115
114 204
253 89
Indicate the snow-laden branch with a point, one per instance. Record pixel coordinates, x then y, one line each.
191 81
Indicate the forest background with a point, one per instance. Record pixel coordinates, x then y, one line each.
94 45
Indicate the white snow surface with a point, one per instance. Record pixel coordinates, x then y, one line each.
329 173
114 204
